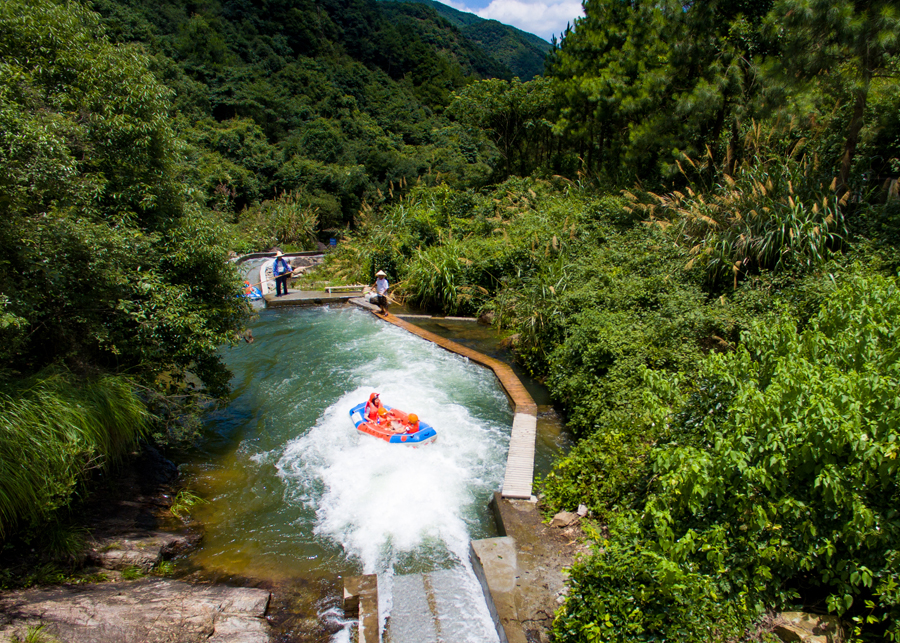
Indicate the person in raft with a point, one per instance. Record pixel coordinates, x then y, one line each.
381 287
372 406
282 270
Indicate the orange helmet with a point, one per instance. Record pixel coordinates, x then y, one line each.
413 418
382 411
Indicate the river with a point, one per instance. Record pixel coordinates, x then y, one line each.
293 491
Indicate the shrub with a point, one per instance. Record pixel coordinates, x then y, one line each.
777 470
628 590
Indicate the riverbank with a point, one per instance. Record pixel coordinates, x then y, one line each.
121 584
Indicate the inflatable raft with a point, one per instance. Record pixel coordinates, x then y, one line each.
386 432
251 292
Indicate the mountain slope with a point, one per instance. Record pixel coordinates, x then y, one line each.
337 101
447 38
523 53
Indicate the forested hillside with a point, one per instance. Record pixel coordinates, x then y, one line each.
339 101
522 52
687 228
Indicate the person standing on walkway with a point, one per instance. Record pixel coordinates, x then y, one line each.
282 270
381 287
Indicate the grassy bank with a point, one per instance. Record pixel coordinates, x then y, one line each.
54 430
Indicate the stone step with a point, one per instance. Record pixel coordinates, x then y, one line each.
445 606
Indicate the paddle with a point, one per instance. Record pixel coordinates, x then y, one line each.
273 278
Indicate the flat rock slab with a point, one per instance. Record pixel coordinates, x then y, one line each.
808 628
142 550
141 611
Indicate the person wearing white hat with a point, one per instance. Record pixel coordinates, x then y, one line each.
282 270
381 286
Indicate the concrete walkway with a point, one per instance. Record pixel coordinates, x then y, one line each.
308 298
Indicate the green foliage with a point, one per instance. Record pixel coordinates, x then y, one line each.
116 295
523 53
288 221
120 273
513 113
164 568
628 590
61 429
775 464
855 42
340 100
183 502
768 216
436 279
35 635
132 572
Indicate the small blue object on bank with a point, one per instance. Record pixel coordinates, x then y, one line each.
332 242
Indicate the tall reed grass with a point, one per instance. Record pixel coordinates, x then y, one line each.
53 430
771 215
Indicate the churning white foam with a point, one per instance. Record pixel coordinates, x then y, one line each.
380 500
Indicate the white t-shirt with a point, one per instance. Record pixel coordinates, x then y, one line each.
381 285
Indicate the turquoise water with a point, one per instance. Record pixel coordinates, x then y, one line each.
295 491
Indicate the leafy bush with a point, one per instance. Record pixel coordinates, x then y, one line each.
628 590
776 469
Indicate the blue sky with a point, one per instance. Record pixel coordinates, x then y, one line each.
542 17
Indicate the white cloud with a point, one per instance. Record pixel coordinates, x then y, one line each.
545 19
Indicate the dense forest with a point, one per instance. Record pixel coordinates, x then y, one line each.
687 227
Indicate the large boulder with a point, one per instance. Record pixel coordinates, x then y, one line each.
808 628
143 611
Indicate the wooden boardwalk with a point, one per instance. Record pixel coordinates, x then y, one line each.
520 460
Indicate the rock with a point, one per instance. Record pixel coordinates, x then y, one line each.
564 519
143 551
142 611
153 468
510 342
808 628
487 318
582 510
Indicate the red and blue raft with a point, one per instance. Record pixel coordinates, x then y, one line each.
395 429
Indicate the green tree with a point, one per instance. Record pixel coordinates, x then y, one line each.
105 267
646 84
513 113
848 43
